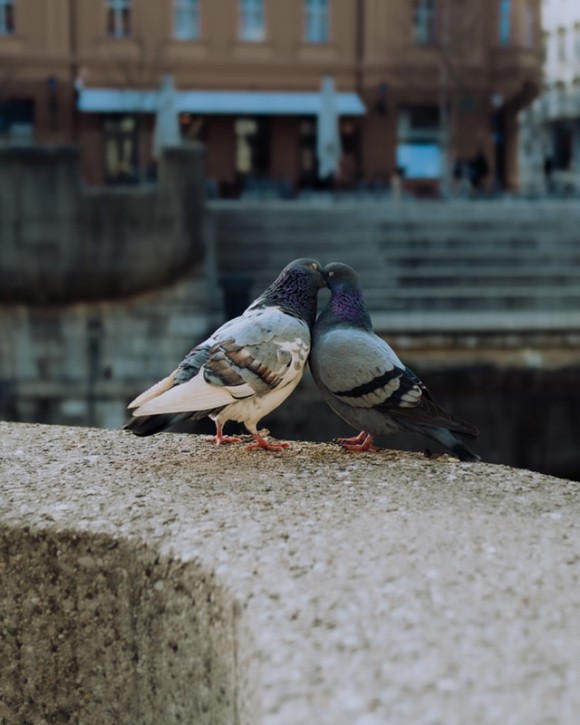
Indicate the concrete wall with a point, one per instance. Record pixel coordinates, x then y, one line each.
99 289
82 363
115 633
62 244
165 580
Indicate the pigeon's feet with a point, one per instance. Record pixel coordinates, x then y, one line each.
220 438
260 442
352 441
367 444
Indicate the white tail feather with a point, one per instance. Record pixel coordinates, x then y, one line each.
153 391
192 396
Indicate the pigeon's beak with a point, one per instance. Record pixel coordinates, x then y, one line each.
326 282
322 281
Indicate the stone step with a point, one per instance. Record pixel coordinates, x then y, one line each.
482 246
475 260
419 257
463 290
481 275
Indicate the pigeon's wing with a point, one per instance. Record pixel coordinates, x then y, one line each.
360 369
264 351
427 413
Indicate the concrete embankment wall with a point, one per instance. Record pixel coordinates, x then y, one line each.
167 580
61 243
101 290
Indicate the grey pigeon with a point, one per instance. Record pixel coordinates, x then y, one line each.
363 380
248 367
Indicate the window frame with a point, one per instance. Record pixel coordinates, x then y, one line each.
7 27
425 22
505 23
121 11
121 139
317 15
191 9
561 45
253 10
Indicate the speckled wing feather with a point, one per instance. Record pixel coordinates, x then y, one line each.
252 355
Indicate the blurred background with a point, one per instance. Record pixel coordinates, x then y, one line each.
162 160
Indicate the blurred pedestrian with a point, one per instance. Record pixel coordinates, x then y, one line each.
478 171
460 176
548 174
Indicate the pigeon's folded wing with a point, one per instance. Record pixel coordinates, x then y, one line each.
376 377
426 412
234 371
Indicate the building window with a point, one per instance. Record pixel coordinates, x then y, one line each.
6 17
252 147
16 121
317 21
424 22
561 46
505 22
253 26
118 18
186 19
121 150
419 152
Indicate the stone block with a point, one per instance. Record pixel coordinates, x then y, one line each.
166 580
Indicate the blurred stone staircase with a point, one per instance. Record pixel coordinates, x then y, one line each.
480 264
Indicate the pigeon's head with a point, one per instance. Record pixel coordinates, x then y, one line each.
304 269
346 303
296 288
341 277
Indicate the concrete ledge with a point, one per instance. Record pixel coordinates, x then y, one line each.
166 581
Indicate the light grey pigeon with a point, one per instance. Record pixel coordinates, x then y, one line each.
248 367
363 380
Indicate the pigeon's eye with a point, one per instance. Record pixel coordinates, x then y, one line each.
331 274
314 266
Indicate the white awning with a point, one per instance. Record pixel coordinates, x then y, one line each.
231 103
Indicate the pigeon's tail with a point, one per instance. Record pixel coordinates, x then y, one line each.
148 425
454 444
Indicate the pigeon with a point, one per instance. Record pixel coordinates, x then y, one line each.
248 367
365 383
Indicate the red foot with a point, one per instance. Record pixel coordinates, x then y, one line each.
225 439
219 438
357 439
365 445
260 442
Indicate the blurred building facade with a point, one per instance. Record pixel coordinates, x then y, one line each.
550 126
422 83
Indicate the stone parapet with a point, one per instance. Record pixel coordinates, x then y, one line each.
166 580
61 243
